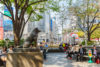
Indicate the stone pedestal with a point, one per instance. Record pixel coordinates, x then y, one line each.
25 59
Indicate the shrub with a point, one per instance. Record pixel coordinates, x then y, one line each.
83 43
11 43
2 43
22 41
88 43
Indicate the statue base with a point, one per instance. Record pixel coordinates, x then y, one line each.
25 57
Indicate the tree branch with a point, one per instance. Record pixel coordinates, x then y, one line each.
93 21
22 28
37 2
29 17
9 8
98 26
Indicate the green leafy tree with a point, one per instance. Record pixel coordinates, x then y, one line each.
88 14
23 8
80 33
96 34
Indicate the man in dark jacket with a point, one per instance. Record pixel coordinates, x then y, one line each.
80 53
44 54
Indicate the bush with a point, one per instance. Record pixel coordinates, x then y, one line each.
2 43
88 43
83 43
10 43
22 41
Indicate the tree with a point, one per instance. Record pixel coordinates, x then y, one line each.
62 15
23 8
80 33
88 14
96 34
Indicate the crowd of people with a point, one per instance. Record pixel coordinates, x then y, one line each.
79 52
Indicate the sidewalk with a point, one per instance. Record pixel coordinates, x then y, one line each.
59 60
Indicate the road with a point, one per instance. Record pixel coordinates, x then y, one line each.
59 60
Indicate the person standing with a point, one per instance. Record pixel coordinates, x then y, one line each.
41 46
44 54
81 53
94 52
46 47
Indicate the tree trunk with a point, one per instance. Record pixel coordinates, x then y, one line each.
89 36
16 40
16 30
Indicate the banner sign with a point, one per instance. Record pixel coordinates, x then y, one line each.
51 25
1 20
1 33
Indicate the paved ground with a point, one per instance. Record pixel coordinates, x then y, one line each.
59 60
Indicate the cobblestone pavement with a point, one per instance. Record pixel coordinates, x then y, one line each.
59 60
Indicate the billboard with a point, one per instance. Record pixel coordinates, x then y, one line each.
51 25
1 33
1 20
1 27
7 25
6 11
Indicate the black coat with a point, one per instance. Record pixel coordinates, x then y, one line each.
84 51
